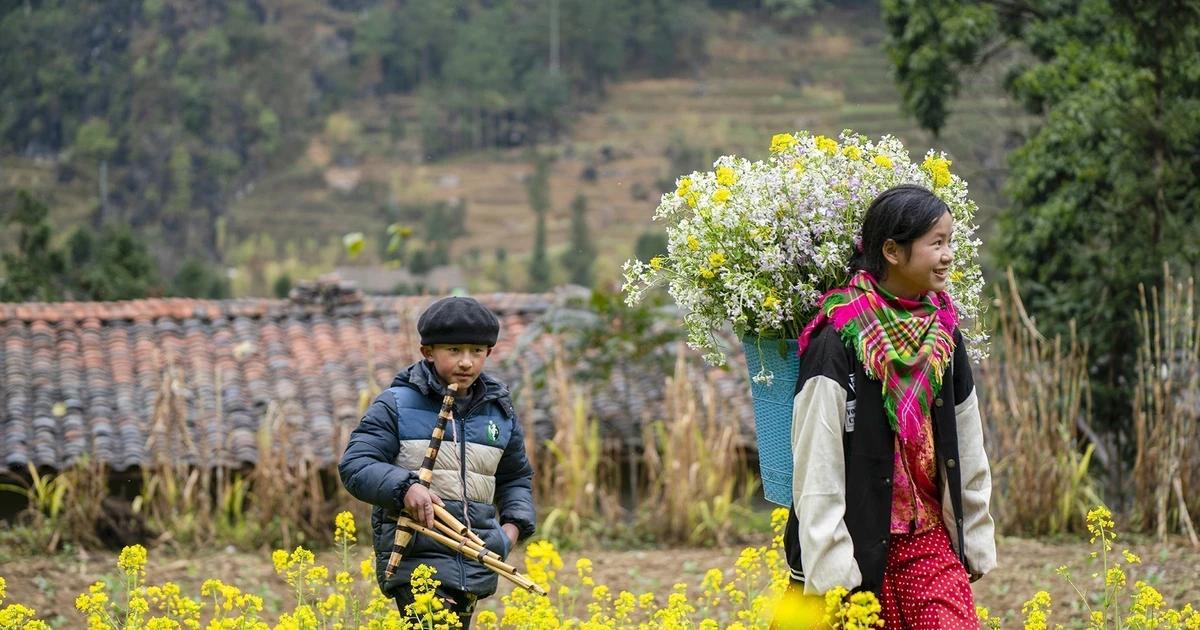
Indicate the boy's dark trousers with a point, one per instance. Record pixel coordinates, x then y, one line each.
462 603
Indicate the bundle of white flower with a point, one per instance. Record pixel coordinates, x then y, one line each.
756 244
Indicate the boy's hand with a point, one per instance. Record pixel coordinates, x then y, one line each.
512 532
419 503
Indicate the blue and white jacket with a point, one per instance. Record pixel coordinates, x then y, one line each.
484 470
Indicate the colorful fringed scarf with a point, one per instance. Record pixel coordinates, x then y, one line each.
903 343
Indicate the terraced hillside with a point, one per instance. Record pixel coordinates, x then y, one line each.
824 74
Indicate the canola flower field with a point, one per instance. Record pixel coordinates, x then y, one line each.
750 594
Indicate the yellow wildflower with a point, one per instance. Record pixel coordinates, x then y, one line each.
721 195
692 198
656 263
716 259
138 605
853 152
781 142
707 273
487 620
366 568
826 144
882 160
726 176
1114 578
133 561
693 243
683 187
939 169
345 531
15 615
957 276
798 165
770 301
279 558
1130 557
3 589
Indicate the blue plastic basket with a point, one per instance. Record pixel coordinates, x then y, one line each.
773 412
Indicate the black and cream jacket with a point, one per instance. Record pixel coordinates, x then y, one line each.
843 449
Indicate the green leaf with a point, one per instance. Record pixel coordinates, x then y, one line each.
354 243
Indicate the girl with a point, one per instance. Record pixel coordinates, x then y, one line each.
891 484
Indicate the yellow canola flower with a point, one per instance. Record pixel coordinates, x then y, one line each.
795 611
317 575
693 243
1114 578
367 569
939 169
781 142
882 161
344 530
656 263
15 615
726 176
487 620
826 144
3 589
853 152
957 276
1131 558
770 301
133 561
692 199
707 273
716 259
279 558
721 195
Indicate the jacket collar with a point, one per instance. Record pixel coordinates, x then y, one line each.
422 377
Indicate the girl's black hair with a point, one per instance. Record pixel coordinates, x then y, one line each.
902 214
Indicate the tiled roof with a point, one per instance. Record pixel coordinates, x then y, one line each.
140 381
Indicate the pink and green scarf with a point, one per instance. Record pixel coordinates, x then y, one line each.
903 343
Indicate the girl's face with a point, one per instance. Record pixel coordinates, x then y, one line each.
925 266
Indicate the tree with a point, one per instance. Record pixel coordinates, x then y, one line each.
581 253
197 279
35 271
1104 190
538 188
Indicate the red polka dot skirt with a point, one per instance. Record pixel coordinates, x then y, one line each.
925 586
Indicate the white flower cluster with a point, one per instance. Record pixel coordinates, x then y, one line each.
756 244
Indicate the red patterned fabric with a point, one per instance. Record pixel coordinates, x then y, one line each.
916 499
925 586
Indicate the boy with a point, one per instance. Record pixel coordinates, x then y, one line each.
481 475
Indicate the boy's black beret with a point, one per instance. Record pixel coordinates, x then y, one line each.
458 320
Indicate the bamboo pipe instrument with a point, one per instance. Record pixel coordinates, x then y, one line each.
404 533
487 558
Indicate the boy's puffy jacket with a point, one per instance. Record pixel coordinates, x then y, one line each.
386 450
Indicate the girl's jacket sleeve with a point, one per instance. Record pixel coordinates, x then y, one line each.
979 530
819 466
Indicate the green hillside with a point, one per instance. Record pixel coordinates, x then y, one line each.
362 165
